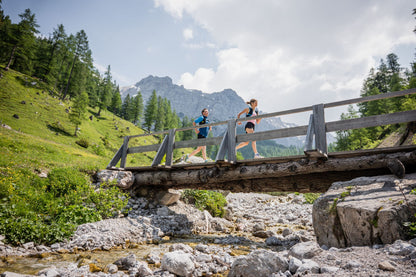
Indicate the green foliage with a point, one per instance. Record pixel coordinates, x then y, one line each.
388 77
48 210
83 142
311 197
212 201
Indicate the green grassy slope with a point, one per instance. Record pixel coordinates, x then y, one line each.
43 137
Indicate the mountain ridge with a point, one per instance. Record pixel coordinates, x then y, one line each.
222 105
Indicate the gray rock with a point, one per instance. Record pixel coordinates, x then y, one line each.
364 211
181 247
126 263
329 269
305 250
294 264
308 266
178 262
123 179
258 263
400 248
112 268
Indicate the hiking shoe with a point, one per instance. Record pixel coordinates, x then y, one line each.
258 156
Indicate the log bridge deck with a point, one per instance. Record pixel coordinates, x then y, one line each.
313 172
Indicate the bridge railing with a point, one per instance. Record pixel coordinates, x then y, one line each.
315 131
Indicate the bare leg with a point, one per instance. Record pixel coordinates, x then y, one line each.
241 145
254 146
204 152
196 151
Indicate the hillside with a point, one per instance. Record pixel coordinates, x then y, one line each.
36 132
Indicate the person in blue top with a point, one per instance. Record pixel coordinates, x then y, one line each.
202 133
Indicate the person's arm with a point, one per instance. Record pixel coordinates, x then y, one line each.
246 110
199 119
196 129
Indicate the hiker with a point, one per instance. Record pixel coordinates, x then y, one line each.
202 133
250 111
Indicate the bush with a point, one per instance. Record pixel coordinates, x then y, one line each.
213 202
83 142
63 181
311 197
49 210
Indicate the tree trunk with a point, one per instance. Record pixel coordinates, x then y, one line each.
303 175
11 58
69 78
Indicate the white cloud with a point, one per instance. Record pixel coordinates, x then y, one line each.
290 54
188 34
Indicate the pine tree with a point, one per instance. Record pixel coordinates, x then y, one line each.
22 43
137 111
115 106
82 53
160 118
150 111
106 91
78 111
125 108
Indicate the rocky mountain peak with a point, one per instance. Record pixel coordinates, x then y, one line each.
222 105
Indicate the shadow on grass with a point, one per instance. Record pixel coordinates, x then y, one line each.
58 130
95 114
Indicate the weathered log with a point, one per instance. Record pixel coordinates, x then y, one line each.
301 172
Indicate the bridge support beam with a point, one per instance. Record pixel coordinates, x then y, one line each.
228 144
292 174
317 129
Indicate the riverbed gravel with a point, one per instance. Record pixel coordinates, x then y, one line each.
258 230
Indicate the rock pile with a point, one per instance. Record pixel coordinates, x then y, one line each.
261 235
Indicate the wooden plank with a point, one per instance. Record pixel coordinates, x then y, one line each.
371 98
144 148
272 134
198 142
231 133
116 158
124 152
222 149
319 128
161 152
213 175
309 134
371 121
170 147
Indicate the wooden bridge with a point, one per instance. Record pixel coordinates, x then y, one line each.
314 171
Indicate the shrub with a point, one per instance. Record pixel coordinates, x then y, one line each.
65 180
213 202
83 142
49 210
311 197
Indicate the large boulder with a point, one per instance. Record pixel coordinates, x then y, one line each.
365 211
178 262
123 179
259 263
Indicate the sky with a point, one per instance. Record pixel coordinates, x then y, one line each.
285 54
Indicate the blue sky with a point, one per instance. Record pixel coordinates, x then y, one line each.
287 54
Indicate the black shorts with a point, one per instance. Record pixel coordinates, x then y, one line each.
200 136
249 125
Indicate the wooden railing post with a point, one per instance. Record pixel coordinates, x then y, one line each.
232 156
228 144
319 128
124 152
170 147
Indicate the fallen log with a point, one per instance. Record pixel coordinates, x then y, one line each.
303 173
